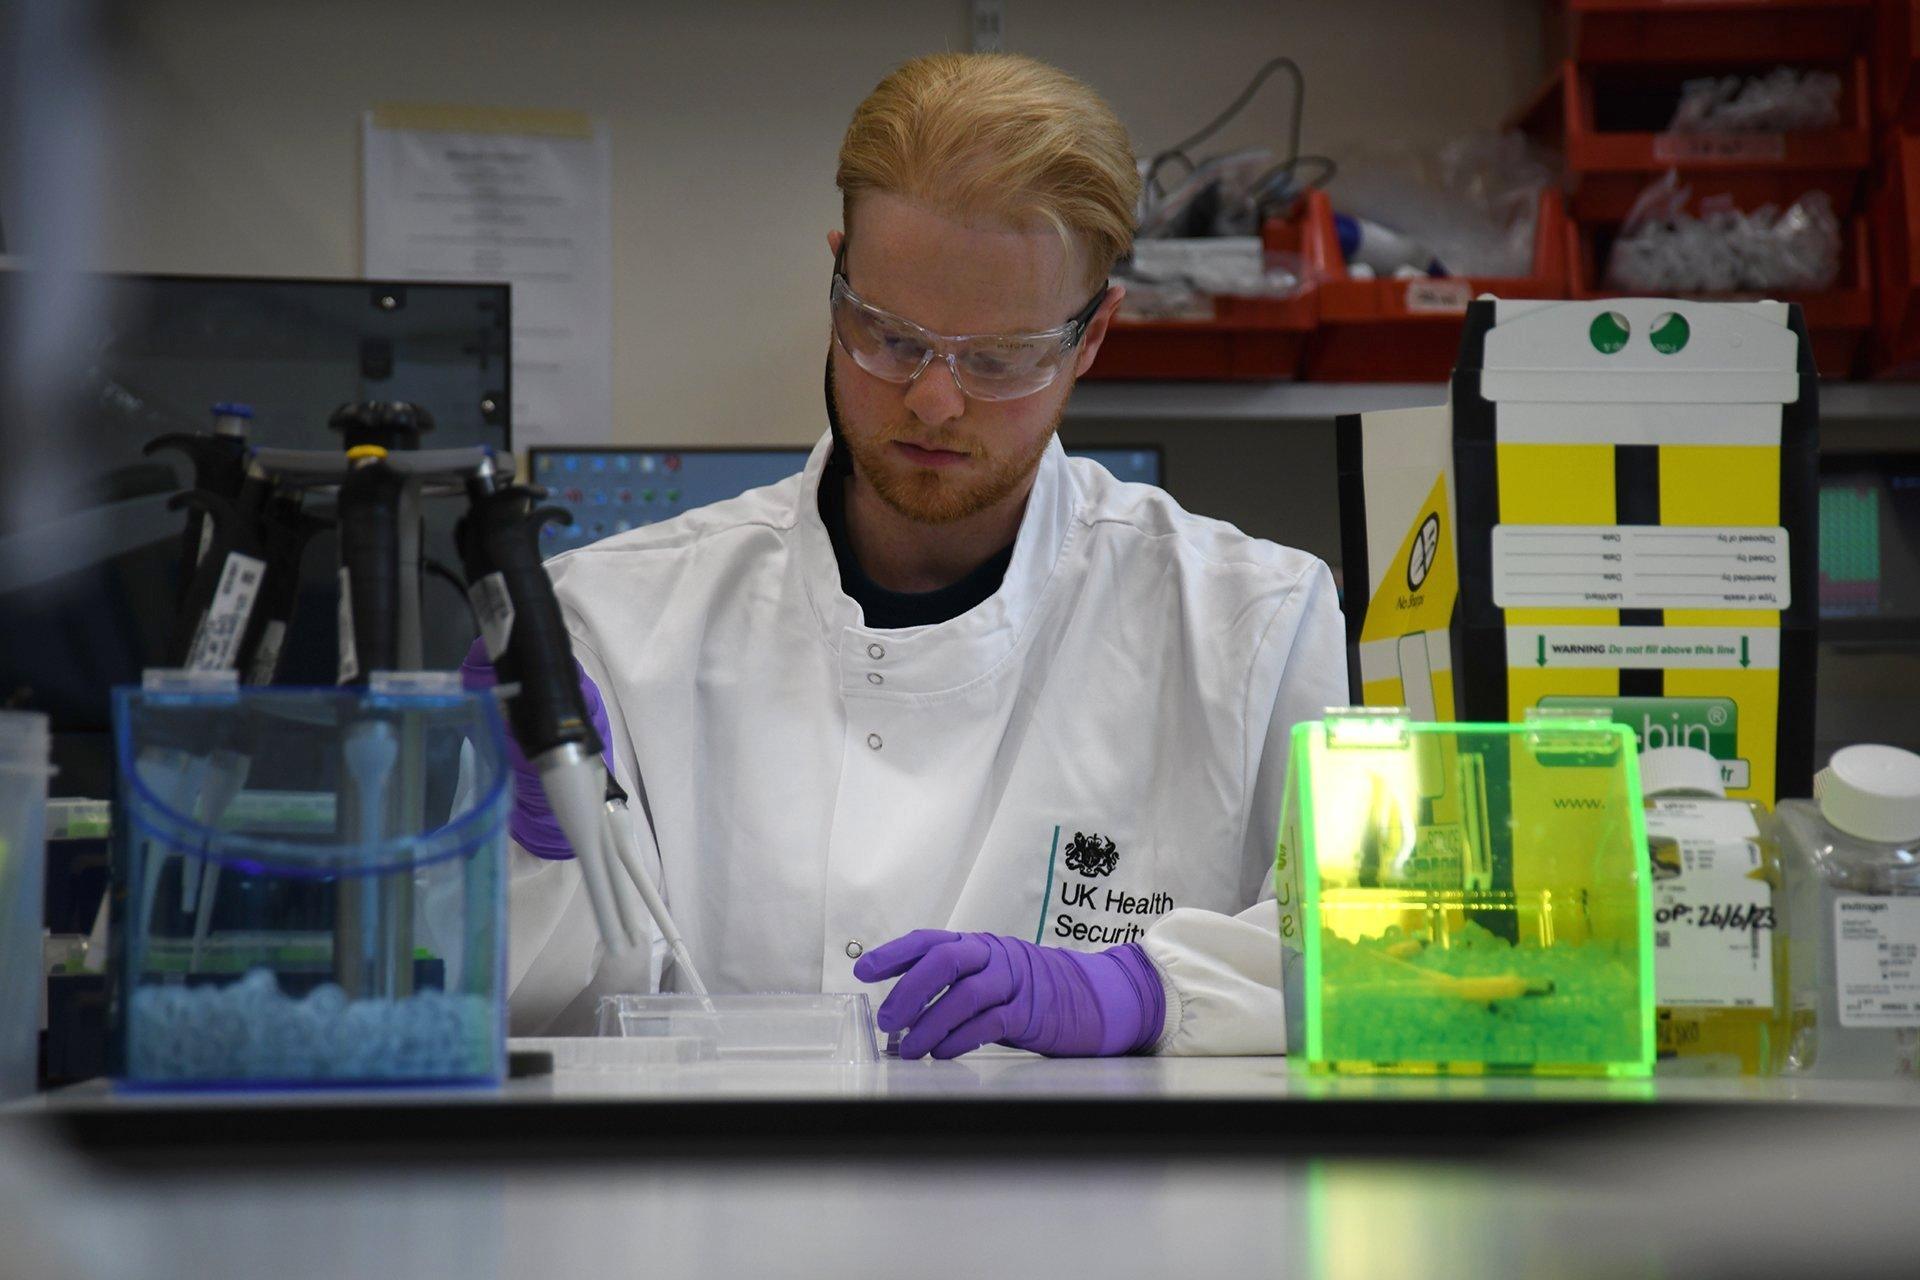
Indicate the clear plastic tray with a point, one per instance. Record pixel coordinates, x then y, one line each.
600 1054
831 1027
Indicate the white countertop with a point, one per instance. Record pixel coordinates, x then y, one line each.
1790 1190
995 1073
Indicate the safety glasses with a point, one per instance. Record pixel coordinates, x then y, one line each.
999 366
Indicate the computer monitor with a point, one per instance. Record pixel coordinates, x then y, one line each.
1870 546
611 490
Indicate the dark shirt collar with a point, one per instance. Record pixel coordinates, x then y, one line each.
887 610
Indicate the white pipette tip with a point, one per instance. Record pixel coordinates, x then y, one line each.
620 828
685 961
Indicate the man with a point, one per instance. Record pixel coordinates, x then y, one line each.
950 709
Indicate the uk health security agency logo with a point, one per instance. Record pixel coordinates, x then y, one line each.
1092 855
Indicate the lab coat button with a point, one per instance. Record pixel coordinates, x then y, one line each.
854 950
876 651
874 677
873 740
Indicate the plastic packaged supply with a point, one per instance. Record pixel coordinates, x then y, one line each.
1785 100
1720 990
1466 208
1663 248
1177 279
1850 859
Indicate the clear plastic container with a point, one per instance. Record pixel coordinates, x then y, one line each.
830 1027
23 809
294 904
1851 866
609 1055
1473 897
1720 984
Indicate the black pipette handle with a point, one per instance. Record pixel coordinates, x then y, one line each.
220 613
369 516
526 636
287 529
219 468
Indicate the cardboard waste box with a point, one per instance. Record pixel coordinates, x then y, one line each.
1616 509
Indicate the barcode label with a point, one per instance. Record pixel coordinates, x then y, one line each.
493 609
218 638
1876 948
349 652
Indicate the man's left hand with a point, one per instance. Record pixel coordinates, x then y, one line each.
958 991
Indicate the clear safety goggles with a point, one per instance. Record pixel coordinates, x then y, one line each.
997 366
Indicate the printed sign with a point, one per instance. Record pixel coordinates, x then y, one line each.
1639 567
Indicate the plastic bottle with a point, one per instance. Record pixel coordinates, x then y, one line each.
1720 989
1851 863
1382 250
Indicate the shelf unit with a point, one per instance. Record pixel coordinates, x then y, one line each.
1864 402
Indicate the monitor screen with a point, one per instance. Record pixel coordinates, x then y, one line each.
612 490
1870 546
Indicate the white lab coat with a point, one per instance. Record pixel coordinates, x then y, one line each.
1093 755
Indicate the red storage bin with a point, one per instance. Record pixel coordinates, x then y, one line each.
1646 31
1896 62
1838 319
1248 338
1608 168
1895 215
1409 330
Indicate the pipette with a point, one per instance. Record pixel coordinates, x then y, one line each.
526 641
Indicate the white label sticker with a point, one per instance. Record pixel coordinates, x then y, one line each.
1439 296
1876 951
266 659
1712 920
1703 819
1723 148
349 652
1640 567
494 609
218 638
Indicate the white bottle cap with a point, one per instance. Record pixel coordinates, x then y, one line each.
1671 770
1872 792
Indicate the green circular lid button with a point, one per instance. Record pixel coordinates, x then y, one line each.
1609 332
1670 333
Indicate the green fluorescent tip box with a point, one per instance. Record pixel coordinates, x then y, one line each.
1471 898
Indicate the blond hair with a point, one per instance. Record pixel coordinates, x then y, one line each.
997 135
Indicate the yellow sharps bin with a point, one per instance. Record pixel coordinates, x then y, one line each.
1468 898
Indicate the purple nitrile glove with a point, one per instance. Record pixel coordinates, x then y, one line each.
532 823
1065 1004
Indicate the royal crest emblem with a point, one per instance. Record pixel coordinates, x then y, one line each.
1092 855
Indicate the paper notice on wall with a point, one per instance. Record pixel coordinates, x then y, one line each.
478 194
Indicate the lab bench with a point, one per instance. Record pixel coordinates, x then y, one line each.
999 1163
991 1100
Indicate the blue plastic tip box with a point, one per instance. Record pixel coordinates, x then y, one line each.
309 888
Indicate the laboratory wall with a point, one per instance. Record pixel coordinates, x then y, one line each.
235 145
